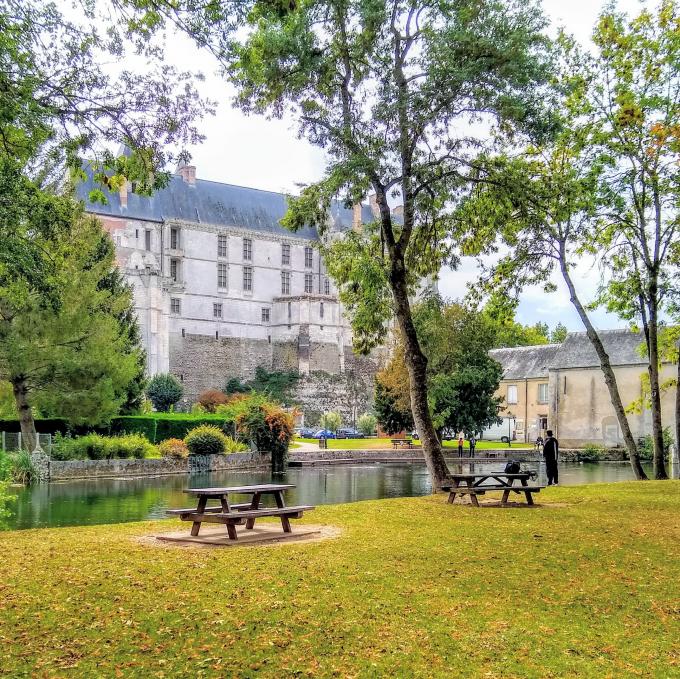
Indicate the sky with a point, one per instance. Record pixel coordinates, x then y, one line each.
267 154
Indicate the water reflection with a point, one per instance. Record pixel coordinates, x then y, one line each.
121 500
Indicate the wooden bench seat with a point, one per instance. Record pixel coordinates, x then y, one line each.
207 510
237 518
480 490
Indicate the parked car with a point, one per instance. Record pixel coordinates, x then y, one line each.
349 433
305 433
324 434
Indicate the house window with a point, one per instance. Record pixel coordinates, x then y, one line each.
221 275
174 269
326 287
321 310
217 310
512 393
285 282
247 250
285 254
309 282
222 244
265 315
543 393
175 306
247 279
174 238
309 257
147 239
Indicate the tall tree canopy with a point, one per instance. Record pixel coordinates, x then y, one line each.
401 94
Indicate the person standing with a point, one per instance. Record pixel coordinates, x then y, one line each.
473 443
551 454
460 446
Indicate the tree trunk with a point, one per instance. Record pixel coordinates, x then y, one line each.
677 410
28 433
416 363
651 335
609 377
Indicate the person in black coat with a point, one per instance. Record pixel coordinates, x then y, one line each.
551 453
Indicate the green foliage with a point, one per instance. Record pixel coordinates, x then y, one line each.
8 407
22 468
330 421
590 453
267 426
391 417
174 448
647 445
164 390
98 447
276 385
206 440
161 426
559 334
366 424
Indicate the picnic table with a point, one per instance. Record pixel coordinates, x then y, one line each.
473 485
232 514
402 443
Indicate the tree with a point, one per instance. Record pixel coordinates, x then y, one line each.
366 424
462 378
331 421
391 417
559 334
388 89
164 390
71 361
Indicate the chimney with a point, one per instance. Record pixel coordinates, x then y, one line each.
373 200
357 222
123 194
187 172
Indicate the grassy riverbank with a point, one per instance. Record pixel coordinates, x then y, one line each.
585 585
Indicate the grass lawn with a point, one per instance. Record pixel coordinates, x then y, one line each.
413 588
370 444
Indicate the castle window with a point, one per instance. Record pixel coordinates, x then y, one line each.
175 306
247 279
512 393
321 310
174 269
222 245
147 239
309 282
285 282
247 249
265 315
174 238
221 275
285 254
217 310
309 258
290 310
543 393
326 287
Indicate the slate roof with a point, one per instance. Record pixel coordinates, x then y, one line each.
622 346
525 362
211 202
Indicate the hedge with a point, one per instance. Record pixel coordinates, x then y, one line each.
156 427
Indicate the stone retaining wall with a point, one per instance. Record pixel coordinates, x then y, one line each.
89 469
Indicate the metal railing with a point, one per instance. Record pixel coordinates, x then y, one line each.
12 441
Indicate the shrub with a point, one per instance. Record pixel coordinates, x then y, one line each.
366 424
211 398
331 421
161 426
22 469
206 440
647 445
164 390
269 427
234 446
590 453
174 448
98 447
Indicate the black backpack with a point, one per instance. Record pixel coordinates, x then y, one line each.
512 467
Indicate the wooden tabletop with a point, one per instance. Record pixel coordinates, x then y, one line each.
263 488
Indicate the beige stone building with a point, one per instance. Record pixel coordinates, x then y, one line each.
561 387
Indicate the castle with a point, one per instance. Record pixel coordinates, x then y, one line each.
220 288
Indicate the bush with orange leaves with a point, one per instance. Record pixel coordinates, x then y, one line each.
211 398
